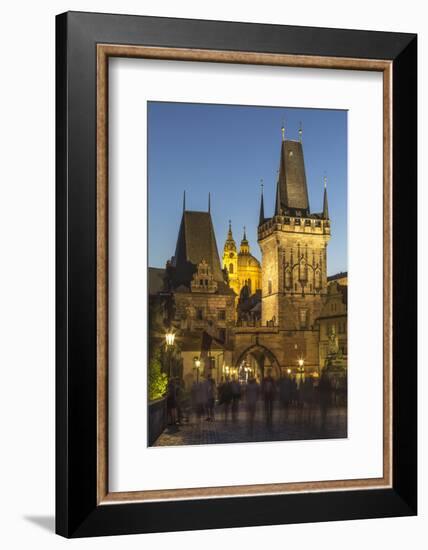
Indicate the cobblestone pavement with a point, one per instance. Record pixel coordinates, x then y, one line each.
297 424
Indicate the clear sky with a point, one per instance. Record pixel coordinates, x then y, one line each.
226 150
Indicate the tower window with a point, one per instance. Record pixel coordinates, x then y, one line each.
199 314
303 318
269 287
231 268
221 314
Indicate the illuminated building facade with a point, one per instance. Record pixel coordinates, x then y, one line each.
242 268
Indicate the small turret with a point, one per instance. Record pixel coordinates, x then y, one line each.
245 246
325 202
262 207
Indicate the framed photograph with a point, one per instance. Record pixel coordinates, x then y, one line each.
236 274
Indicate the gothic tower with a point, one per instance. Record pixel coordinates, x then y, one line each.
230 260
294 248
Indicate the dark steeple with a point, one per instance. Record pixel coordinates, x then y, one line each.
278 200
292 192
196 242
325 203
184 201
209 202
262 207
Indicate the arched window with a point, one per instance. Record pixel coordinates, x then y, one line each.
269 287
231 268
287 278
303 270
317 279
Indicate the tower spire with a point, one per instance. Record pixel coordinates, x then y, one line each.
278 200
184 201
283 131
300 132
325 202
229 233
262 206
209 202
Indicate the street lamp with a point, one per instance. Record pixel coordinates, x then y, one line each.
169 338
197 367
169 342
301 368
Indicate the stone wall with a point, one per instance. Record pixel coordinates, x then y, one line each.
157 419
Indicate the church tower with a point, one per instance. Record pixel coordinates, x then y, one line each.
294 248
230 260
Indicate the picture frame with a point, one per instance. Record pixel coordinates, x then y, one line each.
84 44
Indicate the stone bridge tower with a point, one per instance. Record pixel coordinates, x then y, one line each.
294 249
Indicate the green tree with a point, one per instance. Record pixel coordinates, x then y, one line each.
158 380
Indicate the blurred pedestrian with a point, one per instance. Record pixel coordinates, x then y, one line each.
225 397
171 402
251 397
236 396
210 397
324 390
200 399
285 395
268 397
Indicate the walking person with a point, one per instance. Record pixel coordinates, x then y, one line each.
171 402
236 396
225 398
285 395
268 397
251 397
210 397
200 400
324 389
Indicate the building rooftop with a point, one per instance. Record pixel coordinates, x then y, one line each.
196 242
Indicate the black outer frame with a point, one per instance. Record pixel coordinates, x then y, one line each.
77 513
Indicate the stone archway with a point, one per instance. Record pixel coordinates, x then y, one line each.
263 357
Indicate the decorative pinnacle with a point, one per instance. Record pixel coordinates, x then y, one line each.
300 132
325 182
283 131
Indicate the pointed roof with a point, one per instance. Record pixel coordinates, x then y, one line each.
325 202
196 242
262 209
245 247
229 244
292 192
229 232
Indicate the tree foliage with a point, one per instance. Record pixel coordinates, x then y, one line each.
158 380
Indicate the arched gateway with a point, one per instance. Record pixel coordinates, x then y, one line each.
259 360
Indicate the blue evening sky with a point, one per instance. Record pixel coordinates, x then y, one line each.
227 149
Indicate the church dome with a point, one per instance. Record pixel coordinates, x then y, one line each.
247 260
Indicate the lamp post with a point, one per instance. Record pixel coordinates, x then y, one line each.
197 367
169 342
301 369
